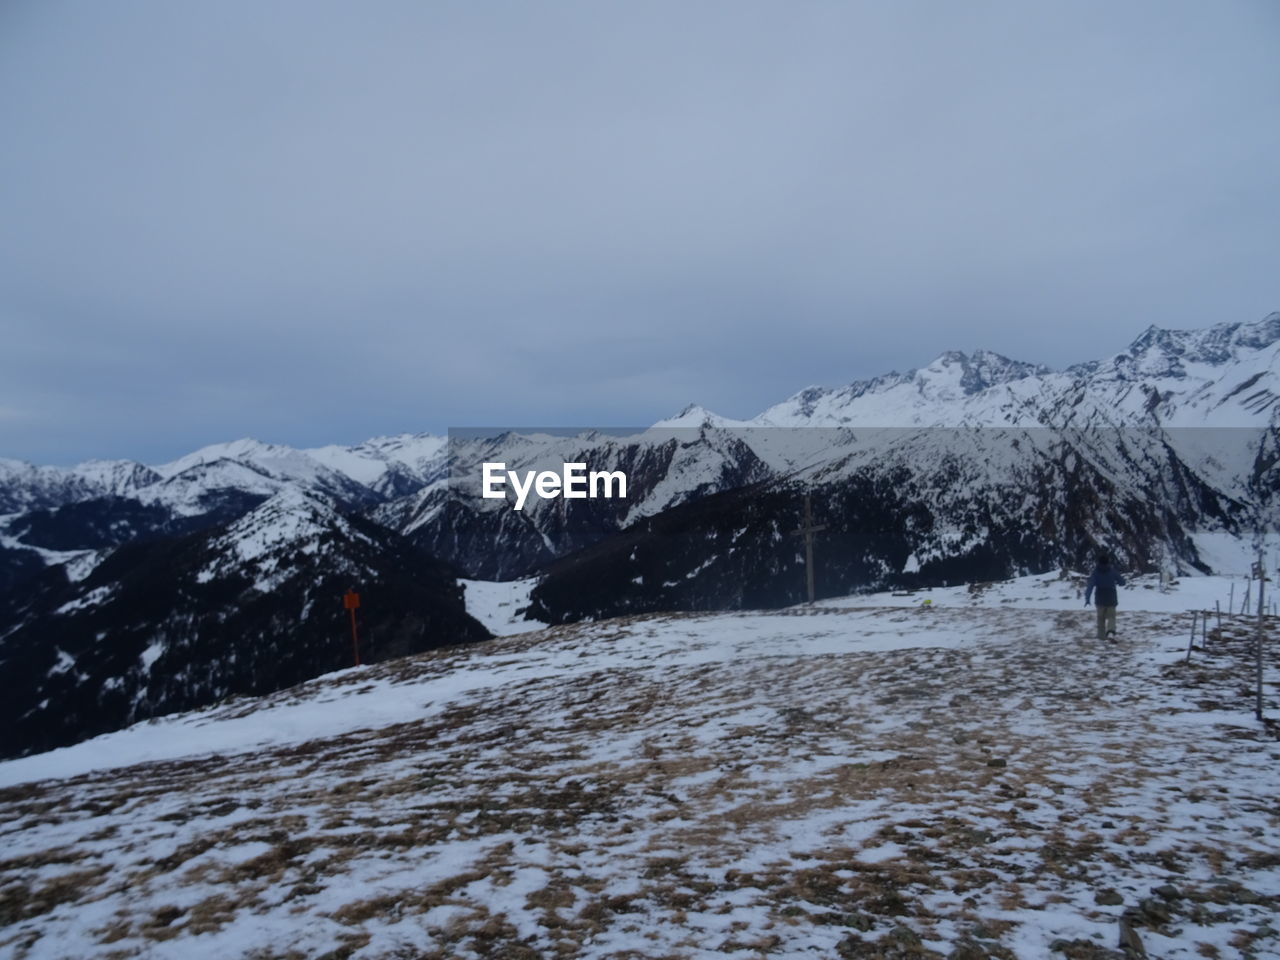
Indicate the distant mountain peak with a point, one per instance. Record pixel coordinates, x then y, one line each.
1215 345
692 416
264 543
1259 334
983 369
292 516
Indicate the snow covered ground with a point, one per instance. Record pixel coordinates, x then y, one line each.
499 606
862 778
1055 592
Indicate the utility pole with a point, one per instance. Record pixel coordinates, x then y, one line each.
807 531
351 601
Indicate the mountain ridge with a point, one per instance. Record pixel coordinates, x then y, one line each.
365 462
1220 376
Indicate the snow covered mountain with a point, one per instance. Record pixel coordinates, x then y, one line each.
925 397
245 608
1223 376
389 466
972 467
24 486
47 511
1175 381
1179 423
915 507
367 473
486 539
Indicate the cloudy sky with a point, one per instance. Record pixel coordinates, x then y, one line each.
315 222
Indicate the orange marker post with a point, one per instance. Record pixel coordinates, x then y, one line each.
351 601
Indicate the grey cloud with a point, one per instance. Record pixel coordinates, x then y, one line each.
316 222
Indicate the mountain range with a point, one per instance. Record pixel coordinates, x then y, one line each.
131 590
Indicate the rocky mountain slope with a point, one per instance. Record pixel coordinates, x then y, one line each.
865 779
908 508
244 608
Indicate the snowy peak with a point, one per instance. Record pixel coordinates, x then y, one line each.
391 466
412 449
24 486
247 468
956 374
278 461
1167 352
273 536
924 396
1221 376
411 456
379 468
289 516
984 369
694 417
118 478
824 406
1260 334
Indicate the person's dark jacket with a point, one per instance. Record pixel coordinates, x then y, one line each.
1105 579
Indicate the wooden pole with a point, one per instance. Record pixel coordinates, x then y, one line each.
351 601
355 638
808 546
808 530
1191 641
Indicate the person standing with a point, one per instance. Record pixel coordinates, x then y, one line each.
1104 580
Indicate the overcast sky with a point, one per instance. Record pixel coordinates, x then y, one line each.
318 222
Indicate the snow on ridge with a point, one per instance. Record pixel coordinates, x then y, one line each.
186 493
1222 376
366 467
275 459
1219 343
694 416
247 465
369 461
289 516
12 467
293 518
118 477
